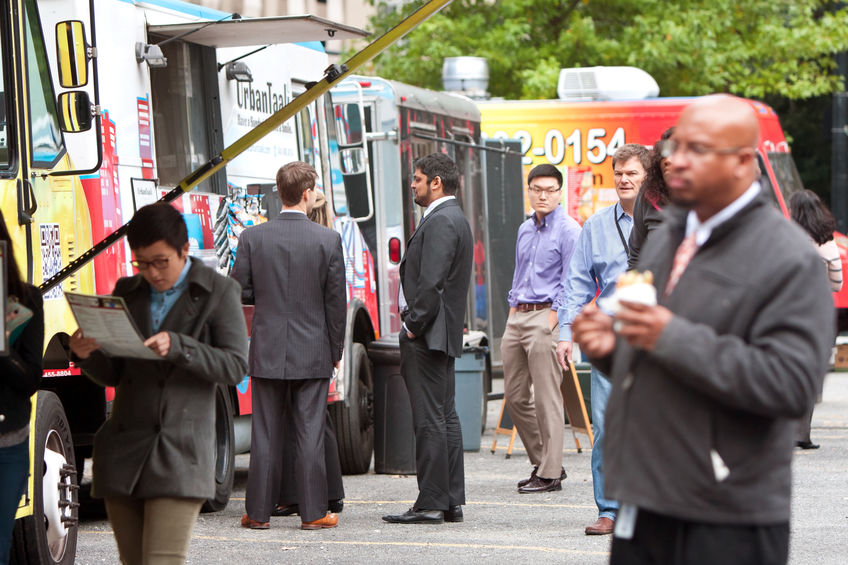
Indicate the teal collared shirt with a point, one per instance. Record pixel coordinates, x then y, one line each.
162 302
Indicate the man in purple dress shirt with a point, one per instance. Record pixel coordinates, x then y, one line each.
542 253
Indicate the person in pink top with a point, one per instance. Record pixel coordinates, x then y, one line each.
808 211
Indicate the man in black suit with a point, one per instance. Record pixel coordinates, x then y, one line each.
293 271
435 273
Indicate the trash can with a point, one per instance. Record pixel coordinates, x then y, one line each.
469 371
394 436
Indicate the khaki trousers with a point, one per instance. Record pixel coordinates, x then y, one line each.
152 531
528 350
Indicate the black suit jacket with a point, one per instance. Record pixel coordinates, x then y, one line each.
435 273
293 271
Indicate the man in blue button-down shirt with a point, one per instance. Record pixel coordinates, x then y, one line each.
543 250
601 256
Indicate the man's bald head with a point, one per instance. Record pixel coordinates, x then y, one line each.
729 118
714 160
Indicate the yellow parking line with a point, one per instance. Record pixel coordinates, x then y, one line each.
296 542
472 503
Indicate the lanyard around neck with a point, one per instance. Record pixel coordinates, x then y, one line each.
620 233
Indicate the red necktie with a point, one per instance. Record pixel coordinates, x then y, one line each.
682 256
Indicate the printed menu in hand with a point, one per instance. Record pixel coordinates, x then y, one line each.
107 320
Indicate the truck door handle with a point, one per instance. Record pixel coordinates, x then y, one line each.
27 204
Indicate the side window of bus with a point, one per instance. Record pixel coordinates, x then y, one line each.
47 143
336 176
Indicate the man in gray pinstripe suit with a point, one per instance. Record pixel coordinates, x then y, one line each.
293 271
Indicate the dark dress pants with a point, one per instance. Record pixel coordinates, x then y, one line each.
335 485
429 378
663 539
299 405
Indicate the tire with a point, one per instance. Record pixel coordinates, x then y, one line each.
225 453
49 535
354 424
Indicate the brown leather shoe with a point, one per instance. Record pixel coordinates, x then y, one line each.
602 527
329 521
533 476
538 484
248 522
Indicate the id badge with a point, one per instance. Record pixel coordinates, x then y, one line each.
625 521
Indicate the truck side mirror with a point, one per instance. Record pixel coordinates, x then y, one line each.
74 111
353 161
72 54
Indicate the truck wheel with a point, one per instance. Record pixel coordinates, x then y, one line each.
225 453
49 535
354 424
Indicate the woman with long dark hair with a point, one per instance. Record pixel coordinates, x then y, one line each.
647 211
20 374
808 211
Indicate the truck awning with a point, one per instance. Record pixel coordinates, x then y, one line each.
259 31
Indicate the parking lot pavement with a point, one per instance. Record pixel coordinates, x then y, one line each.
501 526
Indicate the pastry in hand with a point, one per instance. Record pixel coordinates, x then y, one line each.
632 286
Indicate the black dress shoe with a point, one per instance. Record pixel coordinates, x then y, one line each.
533 476
807 445
413 516
288 510
454 514
538 484
334 506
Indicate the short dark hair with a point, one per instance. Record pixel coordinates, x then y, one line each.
809 212
293 180
629 150
440 165
157 222
544 170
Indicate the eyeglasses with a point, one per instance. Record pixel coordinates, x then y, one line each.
540 191
158 264
670 147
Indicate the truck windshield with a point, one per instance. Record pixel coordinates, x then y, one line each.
4 131
47 143
788 179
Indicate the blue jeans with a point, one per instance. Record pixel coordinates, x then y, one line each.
14 465
601 387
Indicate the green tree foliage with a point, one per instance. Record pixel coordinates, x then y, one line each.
754 48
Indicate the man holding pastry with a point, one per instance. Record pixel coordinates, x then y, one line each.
600 256
709 383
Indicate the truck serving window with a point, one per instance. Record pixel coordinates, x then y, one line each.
47 144
786 174
186 114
